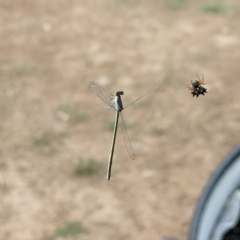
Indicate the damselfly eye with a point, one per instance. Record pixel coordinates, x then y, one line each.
120 92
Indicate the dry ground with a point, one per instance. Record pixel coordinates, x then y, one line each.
50 51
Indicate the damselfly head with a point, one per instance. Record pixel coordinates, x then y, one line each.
118 93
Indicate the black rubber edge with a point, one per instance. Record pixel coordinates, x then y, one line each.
217 174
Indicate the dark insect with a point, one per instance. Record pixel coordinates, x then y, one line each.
196 87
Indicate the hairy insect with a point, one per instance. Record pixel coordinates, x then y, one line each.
196 87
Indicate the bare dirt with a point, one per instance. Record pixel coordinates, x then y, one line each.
49 53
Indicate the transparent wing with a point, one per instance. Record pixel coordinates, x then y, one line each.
144 94
102 93
126 139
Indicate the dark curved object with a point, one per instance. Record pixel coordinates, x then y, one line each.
221 184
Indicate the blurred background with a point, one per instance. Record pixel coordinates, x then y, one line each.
55 135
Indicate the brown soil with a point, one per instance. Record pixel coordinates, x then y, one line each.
50 51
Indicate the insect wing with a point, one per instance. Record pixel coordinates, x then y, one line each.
102 93
144 94
126 139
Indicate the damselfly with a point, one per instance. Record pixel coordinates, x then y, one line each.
114 101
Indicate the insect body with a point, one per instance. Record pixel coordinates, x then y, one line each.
115 102
196 87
